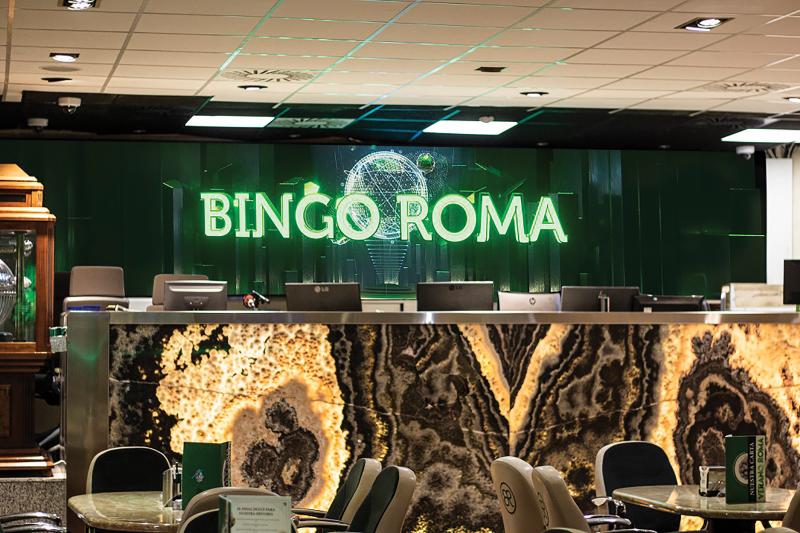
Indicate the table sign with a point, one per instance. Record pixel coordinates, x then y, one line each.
255 514
745 469
206 466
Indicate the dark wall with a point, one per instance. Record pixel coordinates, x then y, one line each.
671 222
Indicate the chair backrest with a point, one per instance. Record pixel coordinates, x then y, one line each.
354 490
127 468
97 281
563 510
522 504
635 464
205 522
385 507
209 499
160 281
792 517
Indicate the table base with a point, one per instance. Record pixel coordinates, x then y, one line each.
722 525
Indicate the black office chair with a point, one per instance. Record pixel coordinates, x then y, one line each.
127 468
634 464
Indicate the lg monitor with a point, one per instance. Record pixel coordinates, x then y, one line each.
665 304
620 299
195 295
528 301
791 282
455 296
344 297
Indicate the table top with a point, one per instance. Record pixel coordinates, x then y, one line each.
126 511
686 500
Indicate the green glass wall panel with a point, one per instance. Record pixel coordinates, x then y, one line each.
670 222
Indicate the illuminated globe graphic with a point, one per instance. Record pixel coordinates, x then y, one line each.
426 163
382 176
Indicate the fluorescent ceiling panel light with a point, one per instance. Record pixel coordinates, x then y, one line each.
228 121
470 127
764 135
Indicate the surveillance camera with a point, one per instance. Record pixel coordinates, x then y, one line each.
486 119
746 151
69 104
37 124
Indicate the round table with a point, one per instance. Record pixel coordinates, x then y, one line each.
138 512
721 516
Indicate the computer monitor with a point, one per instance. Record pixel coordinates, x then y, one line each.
195 295
791 282
528 301
344 297
588 298
665 304
455 296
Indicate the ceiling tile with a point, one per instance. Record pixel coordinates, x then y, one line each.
154 83
437 34
196 24
321 29
69 39
598 103
314 98
47 69
246 61
409 51
534 83
788 26
152 91
788 64
336 88
186 73
298 47
521 54
628 5
771 75
590 71
758 43
520 3
74 20
432 90
662 40
387 65
36 79
752 106
184 43
125 6
584 19
340 10
668 22
680 104
667 85
556 38
728 59
413 99
612 94
624 57
42 54
689 73
465 80
764 7
389 78
178 59
465 14
253 8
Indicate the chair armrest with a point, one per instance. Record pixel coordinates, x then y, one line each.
35 516
335 525
633 530
779 530
35 528
562 530
613 505
607 520
308 512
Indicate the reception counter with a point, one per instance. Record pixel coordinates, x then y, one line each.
302 395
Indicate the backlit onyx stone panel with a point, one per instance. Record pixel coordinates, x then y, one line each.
301 402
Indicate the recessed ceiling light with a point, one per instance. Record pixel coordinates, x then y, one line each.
534 94
490 69
55 79
229 121
470 127
252 87
703 23
79 5
793 99
64 57
764 135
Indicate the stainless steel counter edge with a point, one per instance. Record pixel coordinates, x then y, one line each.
461 317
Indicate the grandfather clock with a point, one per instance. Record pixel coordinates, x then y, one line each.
26 309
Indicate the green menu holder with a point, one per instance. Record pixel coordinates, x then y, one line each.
745 469
205 466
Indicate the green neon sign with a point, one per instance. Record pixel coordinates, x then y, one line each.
247 216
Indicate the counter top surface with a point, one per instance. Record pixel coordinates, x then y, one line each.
125 511
449 317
